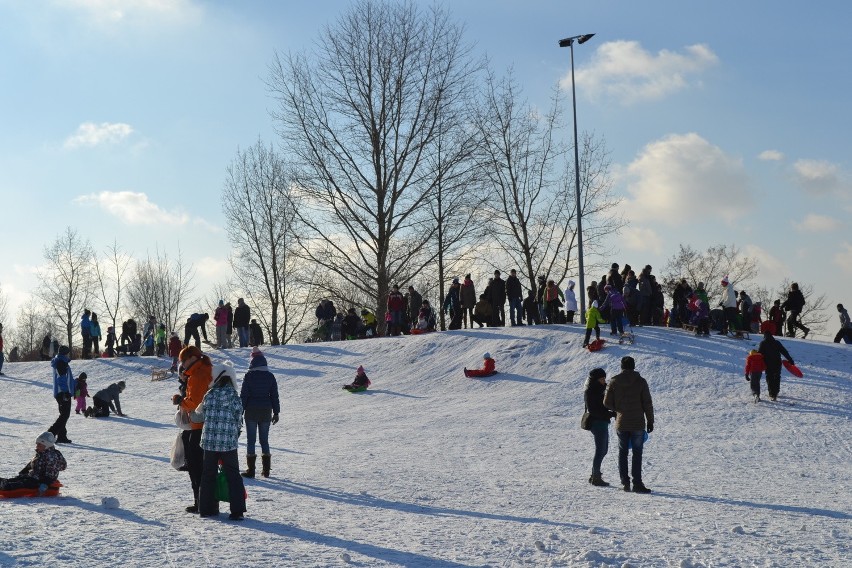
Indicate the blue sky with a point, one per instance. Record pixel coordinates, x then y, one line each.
727 121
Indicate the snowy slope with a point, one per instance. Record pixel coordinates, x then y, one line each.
428 468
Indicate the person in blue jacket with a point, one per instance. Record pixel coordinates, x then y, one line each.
86 332
259 395
64 386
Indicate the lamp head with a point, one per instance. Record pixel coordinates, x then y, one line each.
566 42
584 38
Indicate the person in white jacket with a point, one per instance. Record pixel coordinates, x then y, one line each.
729 305
570 302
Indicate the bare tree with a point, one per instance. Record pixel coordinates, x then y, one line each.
110 279
67 281
31 325
360 119
533 208
260 211
161 287
4 305
709 267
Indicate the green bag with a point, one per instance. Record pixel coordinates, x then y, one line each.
222 493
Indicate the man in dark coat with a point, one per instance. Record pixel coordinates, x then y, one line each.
498 299
415 302
793 305
256 333
772 350
629 397
515 294
242 316
193 324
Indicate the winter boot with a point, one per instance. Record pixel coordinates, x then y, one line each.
251 459
598 481
267 464
640 488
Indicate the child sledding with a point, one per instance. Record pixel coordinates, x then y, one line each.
488 368
360 383
40 477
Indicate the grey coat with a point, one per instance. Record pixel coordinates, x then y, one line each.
629 397
110 396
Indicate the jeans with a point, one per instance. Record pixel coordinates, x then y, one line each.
222 336
243 334
516 311
207 503
636 439
616 321
252 428
600 430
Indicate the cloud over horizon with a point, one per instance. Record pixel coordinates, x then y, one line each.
821 177
814 223
135 209
771 156
683 178
626 72
108 13
89 134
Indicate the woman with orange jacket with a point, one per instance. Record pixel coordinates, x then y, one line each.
198 369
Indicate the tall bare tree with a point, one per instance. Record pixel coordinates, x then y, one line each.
67 280
533 208
260 212
359 116
4 305
161 287
111 283
709 267
31 325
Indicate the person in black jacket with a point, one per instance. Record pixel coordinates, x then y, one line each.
498 300
515 294
242 315
772 350
193 324
259 395
256 333
793 305
599 417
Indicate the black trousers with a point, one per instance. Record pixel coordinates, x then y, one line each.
19 482
101 408
63 400
194 459
208 504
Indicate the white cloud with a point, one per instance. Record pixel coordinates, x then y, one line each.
771 156
110 13
843 258
641 239
624 71
770 267
90 134
133 208
820 177
212 269
683 178
813 223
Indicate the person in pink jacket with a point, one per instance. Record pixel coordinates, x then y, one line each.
220 316
81 393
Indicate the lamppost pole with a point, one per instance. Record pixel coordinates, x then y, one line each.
569 42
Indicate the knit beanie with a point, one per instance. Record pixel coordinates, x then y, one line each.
255 352
47 439
257 360
486 355
596 374
361 370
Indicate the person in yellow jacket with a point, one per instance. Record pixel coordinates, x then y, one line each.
369 320
198 370
593 321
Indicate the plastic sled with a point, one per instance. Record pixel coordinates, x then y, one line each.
52 491
475 373
596 345
354 389
794 370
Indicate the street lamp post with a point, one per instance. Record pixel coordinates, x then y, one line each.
569 42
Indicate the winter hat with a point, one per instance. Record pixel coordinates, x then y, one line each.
257 360
221 302
361 370
595 304
486 355
82 377
46 439
571 284
121 384
724 281
614 266
598 373
255 351
456 280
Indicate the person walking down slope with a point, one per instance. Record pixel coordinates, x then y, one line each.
845 332
772 350
599 417
259 395
629 397
64 387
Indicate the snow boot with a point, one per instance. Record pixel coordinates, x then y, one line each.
267 464
640 488
251 459
598 481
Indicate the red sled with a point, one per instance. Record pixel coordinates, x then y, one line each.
596 345
794 370
52 491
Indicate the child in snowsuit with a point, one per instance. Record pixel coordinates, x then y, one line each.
174 350
488 368
81 393
361 381
42 470
593 321
754 368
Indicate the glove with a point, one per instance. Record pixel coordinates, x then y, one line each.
42 489
275 419
177 399
650 427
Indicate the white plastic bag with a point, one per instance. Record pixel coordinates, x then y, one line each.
178 456
182 419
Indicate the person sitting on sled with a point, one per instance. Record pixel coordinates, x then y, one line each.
42 470
360 383
593 321
488 368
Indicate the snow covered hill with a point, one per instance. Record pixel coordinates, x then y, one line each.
429 468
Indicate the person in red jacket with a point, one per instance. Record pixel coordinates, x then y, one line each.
487 369
175 346
754 369
396 306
